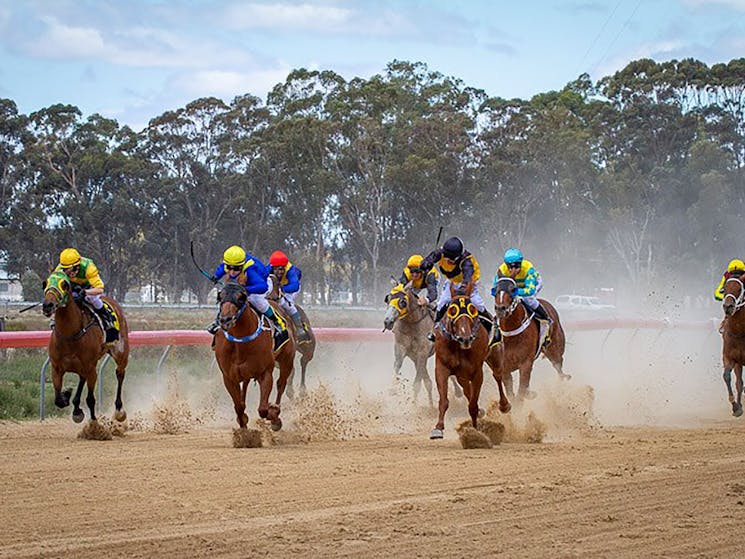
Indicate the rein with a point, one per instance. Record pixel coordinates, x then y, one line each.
243 339
82 332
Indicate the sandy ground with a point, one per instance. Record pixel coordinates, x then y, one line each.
638 457
622 492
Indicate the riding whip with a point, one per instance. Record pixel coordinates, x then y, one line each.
201 271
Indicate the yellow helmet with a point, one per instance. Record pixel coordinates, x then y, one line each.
415 260
736 266
234 256
69 258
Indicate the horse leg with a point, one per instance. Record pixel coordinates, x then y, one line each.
508 384
120 414
304 360
473 397
61 398
727 376
504 403
77 413
265 389
523 391
558 363
90 398
441 378
423 377
737 406
290 387
398 360
239 400
281 383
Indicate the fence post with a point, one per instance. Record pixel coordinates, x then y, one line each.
42 385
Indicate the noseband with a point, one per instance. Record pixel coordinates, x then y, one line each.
462 307
507 285
739 300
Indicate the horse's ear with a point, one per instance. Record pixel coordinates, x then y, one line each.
43 285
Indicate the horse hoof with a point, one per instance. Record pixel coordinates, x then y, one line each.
276 425
120 416
565 376
736 410
436 434
506 408
78 417
481 413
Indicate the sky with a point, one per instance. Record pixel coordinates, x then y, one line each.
132 60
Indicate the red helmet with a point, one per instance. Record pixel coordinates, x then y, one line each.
278 258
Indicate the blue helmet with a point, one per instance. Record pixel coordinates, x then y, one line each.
513 256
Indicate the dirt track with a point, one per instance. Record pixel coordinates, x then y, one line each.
630 492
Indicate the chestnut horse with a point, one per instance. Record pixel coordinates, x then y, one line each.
77 344
243 350
733 339
410 323
306 348
519 346
461 346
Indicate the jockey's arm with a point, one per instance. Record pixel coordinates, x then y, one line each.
467 269
431 259
719 291
431 280
95 283
531 282
293 281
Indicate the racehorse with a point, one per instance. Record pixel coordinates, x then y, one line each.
410 322
243 350
77 344
519 347
461 346
733 339
305 348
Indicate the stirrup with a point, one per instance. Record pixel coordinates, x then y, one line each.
281 337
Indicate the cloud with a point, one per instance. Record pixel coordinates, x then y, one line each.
501 48
579 8
286 16
661 50
733 4
227 84
143 47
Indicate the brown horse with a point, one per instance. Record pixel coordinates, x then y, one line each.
243 350
461 346
77 344
306 348
733 339
520 340
410 322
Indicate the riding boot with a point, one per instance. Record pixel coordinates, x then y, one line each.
214 326
281 335
542 315
112 334
438 317
302 331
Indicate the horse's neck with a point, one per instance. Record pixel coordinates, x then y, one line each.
736 322
514 319
246 324
68 320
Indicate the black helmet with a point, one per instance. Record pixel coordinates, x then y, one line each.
453 248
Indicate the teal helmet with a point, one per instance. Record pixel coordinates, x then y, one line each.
513 256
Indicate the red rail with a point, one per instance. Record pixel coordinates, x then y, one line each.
199 337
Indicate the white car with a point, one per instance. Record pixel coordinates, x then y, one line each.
581 303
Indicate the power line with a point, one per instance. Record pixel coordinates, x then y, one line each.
613 42
599 33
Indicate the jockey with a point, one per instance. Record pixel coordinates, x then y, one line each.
734 269
288 275
459 268
423 285
83 274
528 280
250 272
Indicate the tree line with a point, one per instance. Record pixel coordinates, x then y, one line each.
615 182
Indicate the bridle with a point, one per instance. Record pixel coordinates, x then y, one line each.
231 294
506 286
739 300
460 308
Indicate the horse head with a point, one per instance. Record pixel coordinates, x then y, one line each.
57 293
505 298
399 304
734 295
233 299
461 318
